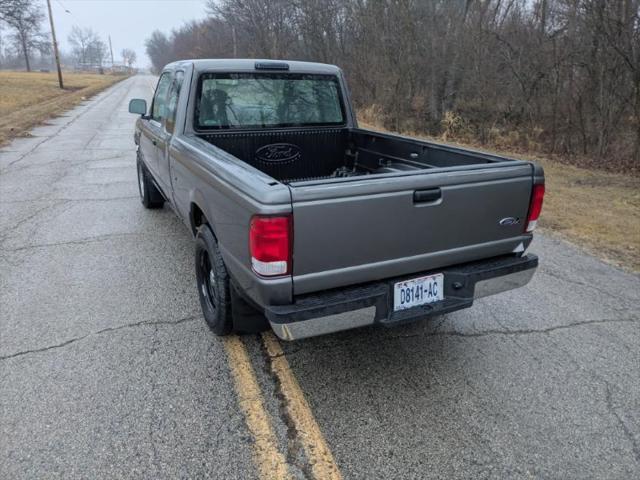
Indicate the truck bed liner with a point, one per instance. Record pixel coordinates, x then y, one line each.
290 155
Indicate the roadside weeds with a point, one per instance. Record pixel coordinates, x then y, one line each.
28 99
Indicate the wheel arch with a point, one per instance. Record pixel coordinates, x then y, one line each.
199 215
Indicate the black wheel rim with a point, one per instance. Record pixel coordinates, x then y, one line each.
209 288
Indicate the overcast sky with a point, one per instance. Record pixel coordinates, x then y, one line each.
129 22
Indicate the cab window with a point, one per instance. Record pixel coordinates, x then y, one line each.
267 100
172 101
158 110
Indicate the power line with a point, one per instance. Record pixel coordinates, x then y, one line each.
64 8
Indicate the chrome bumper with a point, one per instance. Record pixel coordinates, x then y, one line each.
355 307
323 325
491 286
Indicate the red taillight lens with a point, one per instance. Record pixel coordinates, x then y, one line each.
535 207
270 245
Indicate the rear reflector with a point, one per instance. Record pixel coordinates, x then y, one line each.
270 245
535 207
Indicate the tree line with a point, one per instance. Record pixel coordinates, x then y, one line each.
26 41
554 76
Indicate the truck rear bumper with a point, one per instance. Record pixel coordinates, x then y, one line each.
372 303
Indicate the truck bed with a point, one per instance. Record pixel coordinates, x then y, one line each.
292 156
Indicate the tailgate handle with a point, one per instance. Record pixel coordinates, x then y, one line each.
425 196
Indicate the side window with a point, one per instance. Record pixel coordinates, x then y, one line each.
172 101
158 110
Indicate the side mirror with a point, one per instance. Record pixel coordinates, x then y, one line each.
138 106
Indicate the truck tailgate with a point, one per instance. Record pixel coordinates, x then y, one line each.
364 229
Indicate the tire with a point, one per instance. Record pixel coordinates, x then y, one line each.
150 196
213 283
223 307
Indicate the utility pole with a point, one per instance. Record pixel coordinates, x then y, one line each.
55 45
111 50
235 42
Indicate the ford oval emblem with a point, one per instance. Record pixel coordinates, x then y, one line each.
509 221
278 153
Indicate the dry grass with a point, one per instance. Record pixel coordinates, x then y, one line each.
28 99
597 210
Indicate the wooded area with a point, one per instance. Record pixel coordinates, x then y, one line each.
551 76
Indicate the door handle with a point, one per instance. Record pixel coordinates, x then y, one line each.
426 196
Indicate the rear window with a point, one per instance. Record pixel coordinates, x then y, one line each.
263 100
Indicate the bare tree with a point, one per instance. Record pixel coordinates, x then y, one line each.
88 48
24 17
159 49
128 57
267 22
2 48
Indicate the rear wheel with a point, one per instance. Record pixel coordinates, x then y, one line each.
213 283
150 196
223 307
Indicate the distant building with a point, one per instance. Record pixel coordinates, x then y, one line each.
117 68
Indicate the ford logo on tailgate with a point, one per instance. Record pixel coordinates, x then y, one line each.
278 153
509 221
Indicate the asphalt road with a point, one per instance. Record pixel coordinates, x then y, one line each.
107 369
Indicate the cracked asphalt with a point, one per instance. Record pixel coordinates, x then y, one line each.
108 371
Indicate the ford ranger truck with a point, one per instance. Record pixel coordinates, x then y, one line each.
305 222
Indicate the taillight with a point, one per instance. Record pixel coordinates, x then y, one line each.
270 245
535 207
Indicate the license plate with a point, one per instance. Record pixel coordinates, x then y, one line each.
418 291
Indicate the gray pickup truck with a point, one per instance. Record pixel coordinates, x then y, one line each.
309 224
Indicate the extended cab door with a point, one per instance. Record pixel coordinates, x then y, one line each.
168 127
152 131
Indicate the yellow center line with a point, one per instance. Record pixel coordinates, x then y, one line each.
270 462
323 465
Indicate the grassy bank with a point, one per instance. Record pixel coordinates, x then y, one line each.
597 210
29 98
